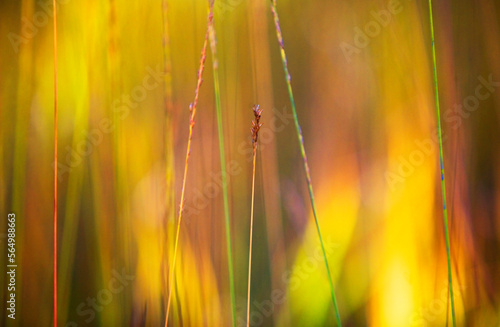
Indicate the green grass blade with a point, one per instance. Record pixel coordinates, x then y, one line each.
443 184
303 153
215 65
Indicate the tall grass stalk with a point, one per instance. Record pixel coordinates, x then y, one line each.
441 161
168 105
54 4
168 130
256 124
188 151
215 65
303 152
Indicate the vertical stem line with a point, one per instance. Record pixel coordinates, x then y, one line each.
251 234
441 161
188 151
215 65
55 161
168 128
256 125
303 152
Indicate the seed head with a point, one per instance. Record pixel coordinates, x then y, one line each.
256 124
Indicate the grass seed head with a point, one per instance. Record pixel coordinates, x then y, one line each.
256 124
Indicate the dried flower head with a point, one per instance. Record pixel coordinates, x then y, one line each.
256 124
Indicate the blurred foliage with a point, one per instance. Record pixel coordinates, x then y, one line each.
362 78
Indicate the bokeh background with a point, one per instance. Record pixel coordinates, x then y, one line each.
367 110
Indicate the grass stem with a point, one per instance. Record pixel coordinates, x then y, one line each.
215 65
255 130
54 4
188 151
303 152
441 161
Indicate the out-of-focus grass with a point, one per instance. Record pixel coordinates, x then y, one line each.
360 120
223 167
441 164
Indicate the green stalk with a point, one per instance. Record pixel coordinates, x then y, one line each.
303 153
215 65
443 184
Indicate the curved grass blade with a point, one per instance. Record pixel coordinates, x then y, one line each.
303 152
441 161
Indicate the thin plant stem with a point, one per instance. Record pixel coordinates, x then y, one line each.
251 237
441 161
54 4
303 153
168 123
215 65
255 130
188 151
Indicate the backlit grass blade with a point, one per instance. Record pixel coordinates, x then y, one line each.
168 125
193 107
303 152
441 161
215 65
54 4
255 132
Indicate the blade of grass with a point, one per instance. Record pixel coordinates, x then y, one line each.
168 127
215 65
55 161
255 132
441 161
188 151
303 152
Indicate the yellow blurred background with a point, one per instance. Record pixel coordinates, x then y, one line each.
362 77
